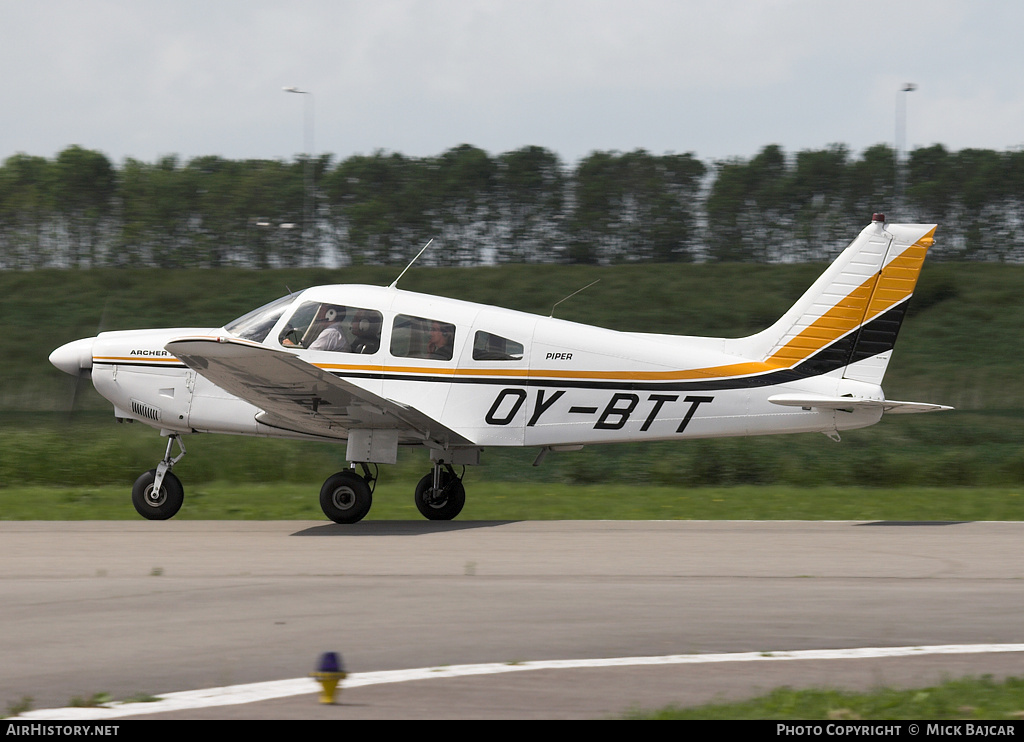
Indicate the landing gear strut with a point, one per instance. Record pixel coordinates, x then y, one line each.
440 494
158 494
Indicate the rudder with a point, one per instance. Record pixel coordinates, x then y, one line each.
887 308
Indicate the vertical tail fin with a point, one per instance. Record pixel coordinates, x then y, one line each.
850 316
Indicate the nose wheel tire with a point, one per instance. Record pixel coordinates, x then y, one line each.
443 503
154 505
346 497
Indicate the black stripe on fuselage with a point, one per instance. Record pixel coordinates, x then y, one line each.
139 364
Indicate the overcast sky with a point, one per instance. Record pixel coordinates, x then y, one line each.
718 78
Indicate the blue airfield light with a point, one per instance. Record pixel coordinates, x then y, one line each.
330 671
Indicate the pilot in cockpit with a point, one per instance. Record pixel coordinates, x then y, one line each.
331 337
332 327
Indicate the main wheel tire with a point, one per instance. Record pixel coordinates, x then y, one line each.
157 505
445 503
346 497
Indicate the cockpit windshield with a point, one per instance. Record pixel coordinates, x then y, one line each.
257 324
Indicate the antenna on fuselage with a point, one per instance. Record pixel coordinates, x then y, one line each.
395 282
572 295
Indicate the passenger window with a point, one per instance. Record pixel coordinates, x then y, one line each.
488 347
419 337
320 326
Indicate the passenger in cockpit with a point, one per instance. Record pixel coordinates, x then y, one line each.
365 329
439 344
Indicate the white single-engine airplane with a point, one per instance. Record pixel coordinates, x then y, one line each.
380 368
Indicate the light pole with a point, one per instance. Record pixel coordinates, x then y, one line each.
308 216
901 136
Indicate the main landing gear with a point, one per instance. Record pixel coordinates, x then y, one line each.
440 495
346 497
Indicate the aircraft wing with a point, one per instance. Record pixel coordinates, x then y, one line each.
850 403
298 396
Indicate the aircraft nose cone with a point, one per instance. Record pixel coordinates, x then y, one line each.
73 358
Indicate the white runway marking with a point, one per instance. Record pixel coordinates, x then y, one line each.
253 692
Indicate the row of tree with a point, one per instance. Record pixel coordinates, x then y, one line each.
80 210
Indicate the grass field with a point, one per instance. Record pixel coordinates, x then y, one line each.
960 466
508 501
949 466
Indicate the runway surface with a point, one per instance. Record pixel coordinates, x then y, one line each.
135 607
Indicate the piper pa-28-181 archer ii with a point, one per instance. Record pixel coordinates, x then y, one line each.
380 368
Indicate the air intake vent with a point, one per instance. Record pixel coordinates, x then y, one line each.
144 410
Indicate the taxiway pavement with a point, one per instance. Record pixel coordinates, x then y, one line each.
136 607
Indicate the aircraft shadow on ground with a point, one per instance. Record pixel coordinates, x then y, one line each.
397 527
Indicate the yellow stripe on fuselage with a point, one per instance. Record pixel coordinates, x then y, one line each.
714 372
135 359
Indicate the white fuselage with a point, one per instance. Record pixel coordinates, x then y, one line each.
564 384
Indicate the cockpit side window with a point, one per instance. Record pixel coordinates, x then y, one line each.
419 337
333 327
490 347
257 324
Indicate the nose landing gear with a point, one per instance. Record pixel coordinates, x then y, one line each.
158 494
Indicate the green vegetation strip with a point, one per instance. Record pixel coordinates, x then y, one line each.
539 501
964 699
956 466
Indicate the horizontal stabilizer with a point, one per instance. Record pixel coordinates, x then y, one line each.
820 401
